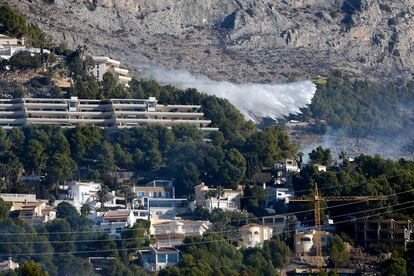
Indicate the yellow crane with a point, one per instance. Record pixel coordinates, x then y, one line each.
316 199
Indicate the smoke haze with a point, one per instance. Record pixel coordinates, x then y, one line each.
253 100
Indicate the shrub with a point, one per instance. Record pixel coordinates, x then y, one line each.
384 7
18 93
24 60
392 22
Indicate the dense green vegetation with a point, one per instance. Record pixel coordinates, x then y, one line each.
365 176
213 255
15 25
179 153
321 156
24 60
396 265
363 107
338 253
62 246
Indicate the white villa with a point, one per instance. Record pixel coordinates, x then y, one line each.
173 232
83 192
230 200
113 222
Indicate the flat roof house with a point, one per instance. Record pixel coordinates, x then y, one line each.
277 222
152 192
157 258
113 222
230 200
173 232
154 189
168 185
83 192
117 113
165 208
276 193
283 171
9 41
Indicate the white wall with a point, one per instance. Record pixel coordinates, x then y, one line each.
83 192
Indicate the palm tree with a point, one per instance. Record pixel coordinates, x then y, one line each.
300 158
85 209
219 194
209 195
128 194
102 195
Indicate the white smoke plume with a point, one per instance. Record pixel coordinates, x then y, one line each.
253 100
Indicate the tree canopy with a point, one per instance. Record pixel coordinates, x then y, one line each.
355 105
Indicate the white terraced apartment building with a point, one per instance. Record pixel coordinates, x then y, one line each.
106 64
102 113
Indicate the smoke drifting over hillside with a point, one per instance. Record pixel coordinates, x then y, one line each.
253 100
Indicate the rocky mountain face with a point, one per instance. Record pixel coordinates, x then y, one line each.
239 40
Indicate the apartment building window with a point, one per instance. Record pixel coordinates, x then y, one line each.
140 194
172 258
168 203
162 258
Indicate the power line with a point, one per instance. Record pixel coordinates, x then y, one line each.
186 244
234 220
144 238
85 241
359 212
339 185
341 205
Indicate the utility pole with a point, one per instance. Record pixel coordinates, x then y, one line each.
317 198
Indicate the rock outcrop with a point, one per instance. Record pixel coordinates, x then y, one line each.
240 40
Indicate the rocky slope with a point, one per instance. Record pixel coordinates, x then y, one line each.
239 40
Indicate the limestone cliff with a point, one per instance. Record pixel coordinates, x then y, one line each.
241 40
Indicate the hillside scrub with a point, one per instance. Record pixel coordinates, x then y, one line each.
362 107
